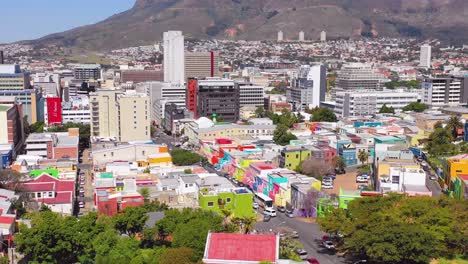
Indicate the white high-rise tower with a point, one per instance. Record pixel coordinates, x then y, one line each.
174 57
425 56
280 35
323 36
301 36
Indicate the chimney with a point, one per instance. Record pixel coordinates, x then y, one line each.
1 57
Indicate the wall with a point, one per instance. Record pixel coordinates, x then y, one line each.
130 153
240 204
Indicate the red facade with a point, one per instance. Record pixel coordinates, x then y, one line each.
54 110
192 96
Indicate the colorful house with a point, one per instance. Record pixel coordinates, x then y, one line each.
347 150
292 156
239 201
456 165
460 187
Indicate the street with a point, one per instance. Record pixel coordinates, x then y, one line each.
86 167
309 235
159 137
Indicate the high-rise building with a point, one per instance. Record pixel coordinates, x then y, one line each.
31 100
11 126
301 36
191 96
201 64
12 78
445 90
250 94
359 76
2 59
138 76
323 36
280 36
85 72
174 54
218 98
425 56
121 116
309 87
162 93
368 102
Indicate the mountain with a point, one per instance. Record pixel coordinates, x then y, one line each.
145 22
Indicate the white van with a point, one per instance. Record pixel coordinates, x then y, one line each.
269 211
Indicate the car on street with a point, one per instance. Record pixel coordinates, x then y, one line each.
266 218
269 211
301 253
82 183
331 175
338 171
423 163
255 205
313 261
289 213
363 187
281 209
241 184
328 178
282 236
294 234
328 244
81 204
362 178
432 177
327 185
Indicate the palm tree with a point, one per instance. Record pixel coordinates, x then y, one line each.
226 213
453 125
339 162
244 224
363 156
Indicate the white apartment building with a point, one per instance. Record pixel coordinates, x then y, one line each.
309 87
251 95
162 93
323 36
369 102
174 56
425 56
448 90
280 36
410 180
359 76
121 116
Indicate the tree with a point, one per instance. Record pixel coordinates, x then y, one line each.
440 143
37 127
182 157
188 171
339 162
363 156
322 114
438 124
416 107
386 110
145 192
453 125
178 255
259 111
244 224
399 229
85 132
281 136
315 168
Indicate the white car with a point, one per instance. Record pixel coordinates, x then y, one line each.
327 186
269 211
255 205
362 178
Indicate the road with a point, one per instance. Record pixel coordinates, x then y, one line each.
86 167
432 185
309 236
159 137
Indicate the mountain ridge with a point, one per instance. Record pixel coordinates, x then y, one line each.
145 22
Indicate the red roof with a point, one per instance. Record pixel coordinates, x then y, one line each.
60 198
63 189
7 220
240 247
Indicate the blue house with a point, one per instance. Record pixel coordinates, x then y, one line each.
347 150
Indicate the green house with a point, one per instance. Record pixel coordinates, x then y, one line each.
292 156
238 201
344 197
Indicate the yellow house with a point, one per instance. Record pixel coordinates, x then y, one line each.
415 140
456 165
160 159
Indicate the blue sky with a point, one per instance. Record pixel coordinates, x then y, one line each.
30 19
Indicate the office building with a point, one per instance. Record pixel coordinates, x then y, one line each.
172 114
11 126
425 56
218 98
369 102
162 93
359 76
57 145
12 78
85 72
201 64
2 60
31 100
174 54
191 96
323 36
301 36
309 87
76 110
139 76
280 36
250 94
120 116
445 90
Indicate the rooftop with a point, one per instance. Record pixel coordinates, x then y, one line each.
4 108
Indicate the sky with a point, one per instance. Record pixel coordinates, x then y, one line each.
31 19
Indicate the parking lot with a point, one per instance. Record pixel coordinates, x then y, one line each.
346 182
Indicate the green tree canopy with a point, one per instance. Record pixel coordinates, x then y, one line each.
281 136
386 109
440 143
416 107
182 157
322 114
400 229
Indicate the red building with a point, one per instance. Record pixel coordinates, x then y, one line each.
191 97
54 111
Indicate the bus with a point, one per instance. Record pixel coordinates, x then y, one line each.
263 200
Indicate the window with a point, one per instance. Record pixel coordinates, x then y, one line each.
210 204
51 194
228 200
396 179
39 195
112 154
33 195
297 156
143 152
186 185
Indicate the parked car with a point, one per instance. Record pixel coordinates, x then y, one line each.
327 185
295 234
301 253
432 177
289 213
269 211
81 204
330 175
266 218
255 205
313 261
362 178
327 181
281 209
363 187
423 163
338 171
328 178
328 244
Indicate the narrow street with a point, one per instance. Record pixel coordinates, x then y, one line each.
86 167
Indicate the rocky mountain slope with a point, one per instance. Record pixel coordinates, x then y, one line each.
261 19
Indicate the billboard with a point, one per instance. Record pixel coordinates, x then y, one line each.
54 110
